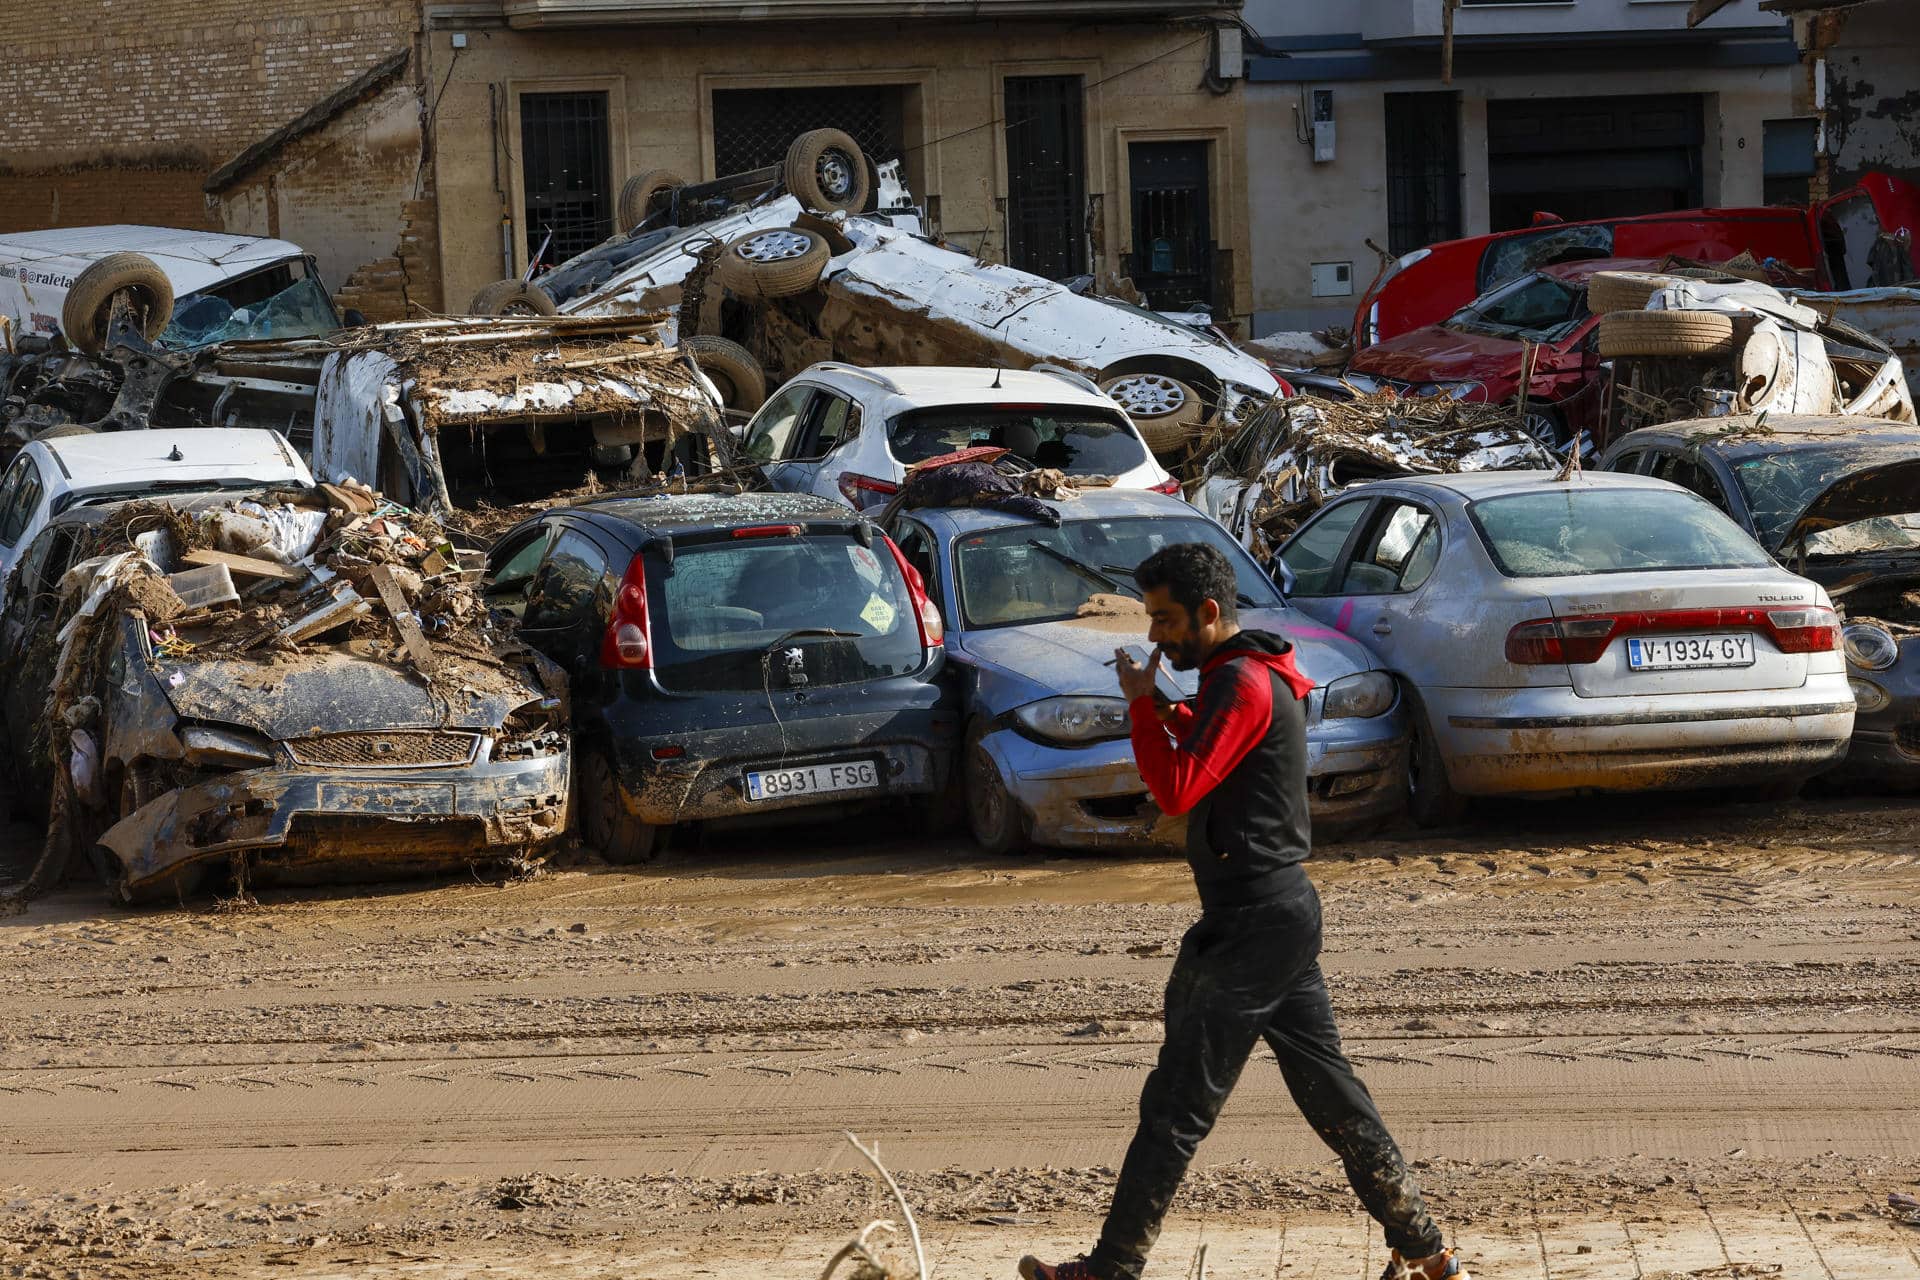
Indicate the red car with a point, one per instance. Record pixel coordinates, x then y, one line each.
1475 354
1829 242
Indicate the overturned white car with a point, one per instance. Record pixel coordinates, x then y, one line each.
771 284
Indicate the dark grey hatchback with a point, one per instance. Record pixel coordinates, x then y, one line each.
729 656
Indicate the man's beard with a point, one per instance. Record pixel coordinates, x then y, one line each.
1182 657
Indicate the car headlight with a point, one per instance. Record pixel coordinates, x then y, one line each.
1074 720
1868 696
1238 401
1369 693
209 745
1869 647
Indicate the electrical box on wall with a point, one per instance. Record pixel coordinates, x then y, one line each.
1322 126
1332 279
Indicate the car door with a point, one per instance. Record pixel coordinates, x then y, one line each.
772 434
1381 579
1316 557
21 493
831 421
30 610
568 603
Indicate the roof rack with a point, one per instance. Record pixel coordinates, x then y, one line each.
879 380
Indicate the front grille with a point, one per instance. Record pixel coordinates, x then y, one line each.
390 749
1908 736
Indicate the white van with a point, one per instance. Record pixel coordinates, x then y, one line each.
196 287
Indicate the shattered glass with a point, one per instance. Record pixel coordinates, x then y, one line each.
1780 487
1566 531
301 310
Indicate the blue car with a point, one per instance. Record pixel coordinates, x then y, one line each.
1033 615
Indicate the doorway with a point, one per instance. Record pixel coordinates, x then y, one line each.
1172 259
566 164
1046 175
1586 158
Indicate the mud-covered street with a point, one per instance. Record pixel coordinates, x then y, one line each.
1611 1055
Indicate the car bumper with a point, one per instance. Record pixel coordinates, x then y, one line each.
1505 741
1092 797
412 818
706 779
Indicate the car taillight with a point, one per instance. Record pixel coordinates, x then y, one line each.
1286 390
1169 486
859 490
627 644
768 531
1814 630
1545 640
933 628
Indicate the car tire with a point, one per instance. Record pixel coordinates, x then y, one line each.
1431 799
67 429
993 815
636 197
1666 333
607 826
825 170
738 377
512 298
774 262
1166 410
1610 291
89 304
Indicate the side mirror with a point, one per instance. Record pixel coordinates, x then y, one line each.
1283 576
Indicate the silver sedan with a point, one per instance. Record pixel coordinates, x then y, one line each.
1606 632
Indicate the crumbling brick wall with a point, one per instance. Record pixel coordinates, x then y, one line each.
118 109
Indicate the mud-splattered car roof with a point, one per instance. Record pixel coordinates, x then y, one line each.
667 513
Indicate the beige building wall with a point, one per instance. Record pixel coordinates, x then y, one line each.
1144 83
1308 212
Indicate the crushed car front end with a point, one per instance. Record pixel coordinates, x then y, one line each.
331 763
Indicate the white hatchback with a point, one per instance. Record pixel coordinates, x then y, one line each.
848 433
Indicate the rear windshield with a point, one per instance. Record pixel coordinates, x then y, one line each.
1577 530
755 613
1030 573
1078 441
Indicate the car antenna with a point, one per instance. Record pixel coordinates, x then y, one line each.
996 379
176 455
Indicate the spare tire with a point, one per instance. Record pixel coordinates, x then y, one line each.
775 262
1165 409
1610 291
512 298
83 318
738 377
826 172
1666 333
636 198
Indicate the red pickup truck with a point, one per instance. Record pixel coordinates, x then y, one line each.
1828 242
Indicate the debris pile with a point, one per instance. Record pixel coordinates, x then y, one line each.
1308 448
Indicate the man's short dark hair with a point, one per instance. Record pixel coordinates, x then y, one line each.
1192 572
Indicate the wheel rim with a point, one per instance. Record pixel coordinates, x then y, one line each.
834 172
1543 429
1148 395
519 309
776 246
723 384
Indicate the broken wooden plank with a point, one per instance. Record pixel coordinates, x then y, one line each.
344 605
410 635
250 566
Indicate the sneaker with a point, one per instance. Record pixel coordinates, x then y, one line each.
1436 1266
1031 1268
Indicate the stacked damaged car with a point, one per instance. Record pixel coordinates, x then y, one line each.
266 683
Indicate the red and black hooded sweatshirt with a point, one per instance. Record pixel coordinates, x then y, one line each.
1234 759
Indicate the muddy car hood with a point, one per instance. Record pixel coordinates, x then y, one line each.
1885 490
338 693
1067 657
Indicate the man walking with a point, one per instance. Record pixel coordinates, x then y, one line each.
1235 762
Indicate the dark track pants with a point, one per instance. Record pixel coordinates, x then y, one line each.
1243 974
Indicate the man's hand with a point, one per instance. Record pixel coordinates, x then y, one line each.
1137 681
